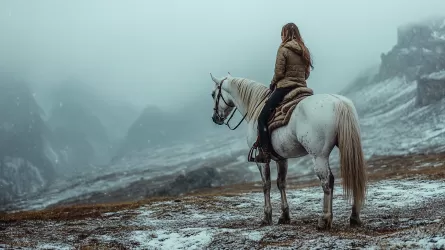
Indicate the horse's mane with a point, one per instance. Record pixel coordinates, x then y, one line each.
251 93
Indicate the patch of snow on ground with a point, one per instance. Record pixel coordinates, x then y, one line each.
255 236
431 243
163 239
422 243
406 193
59 246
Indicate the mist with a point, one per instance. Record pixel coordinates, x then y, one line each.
160 52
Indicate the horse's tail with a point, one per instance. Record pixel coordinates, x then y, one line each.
352 160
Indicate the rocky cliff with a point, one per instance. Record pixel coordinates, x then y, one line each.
79 136
158 128
402 102
26 159
418 56
431 88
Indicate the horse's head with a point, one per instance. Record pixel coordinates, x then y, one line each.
223 103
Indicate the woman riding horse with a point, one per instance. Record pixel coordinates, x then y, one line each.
292 68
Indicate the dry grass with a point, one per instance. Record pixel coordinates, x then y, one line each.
388 167
76 212
407 166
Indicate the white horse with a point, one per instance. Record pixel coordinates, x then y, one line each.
318 124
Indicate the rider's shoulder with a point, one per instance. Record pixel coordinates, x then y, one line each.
292 45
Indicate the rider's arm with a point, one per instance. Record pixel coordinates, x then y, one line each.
280 65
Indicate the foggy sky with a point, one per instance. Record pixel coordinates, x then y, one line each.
160 52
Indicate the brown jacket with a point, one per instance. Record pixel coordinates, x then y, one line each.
290 70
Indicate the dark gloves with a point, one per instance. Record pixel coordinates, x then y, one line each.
272 87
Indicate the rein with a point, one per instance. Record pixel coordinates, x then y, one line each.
234 111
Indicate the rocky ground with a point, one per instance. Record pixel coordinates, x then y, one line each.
404 210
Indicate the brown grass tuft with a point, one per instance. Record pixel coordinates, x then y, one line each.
76 212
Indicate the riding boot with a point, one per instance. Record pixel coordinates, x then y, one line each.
263 155
264 147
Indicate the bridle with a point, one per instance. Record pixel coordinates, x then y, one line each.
219 95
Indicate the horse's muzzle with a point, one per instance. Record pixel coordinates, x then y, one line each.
216 119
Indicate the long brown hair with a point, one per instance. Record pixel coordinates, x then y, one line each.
290 31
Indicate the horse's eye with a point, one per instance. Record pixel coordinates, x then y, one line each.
213 94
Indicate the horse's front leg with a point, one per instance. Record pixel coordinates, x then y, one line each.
265 175
281 183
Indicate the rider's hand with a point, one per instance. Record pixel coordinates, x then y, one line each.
272 87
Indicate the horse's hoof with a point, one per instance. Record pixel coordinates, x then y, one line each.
265 223
324 222
267 220
283 220
355 222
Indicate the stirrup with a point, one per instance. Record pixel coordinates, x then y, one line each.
262 158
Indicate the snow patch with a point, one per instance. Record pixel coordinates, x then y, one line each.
424 243
163 239
255 236
48 246
440 75
405 51
438 35
396 193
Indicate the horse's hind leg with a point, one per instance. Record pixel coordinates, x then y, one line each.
281 183
324 173
355 220
265 175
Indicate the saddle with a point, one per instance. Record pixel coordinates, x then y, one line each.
280 117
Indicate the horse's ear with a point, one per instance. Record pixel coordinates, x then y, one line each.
229 74
214 79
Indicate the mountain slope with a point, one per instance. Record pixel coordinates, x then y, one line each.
388 104
26 165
